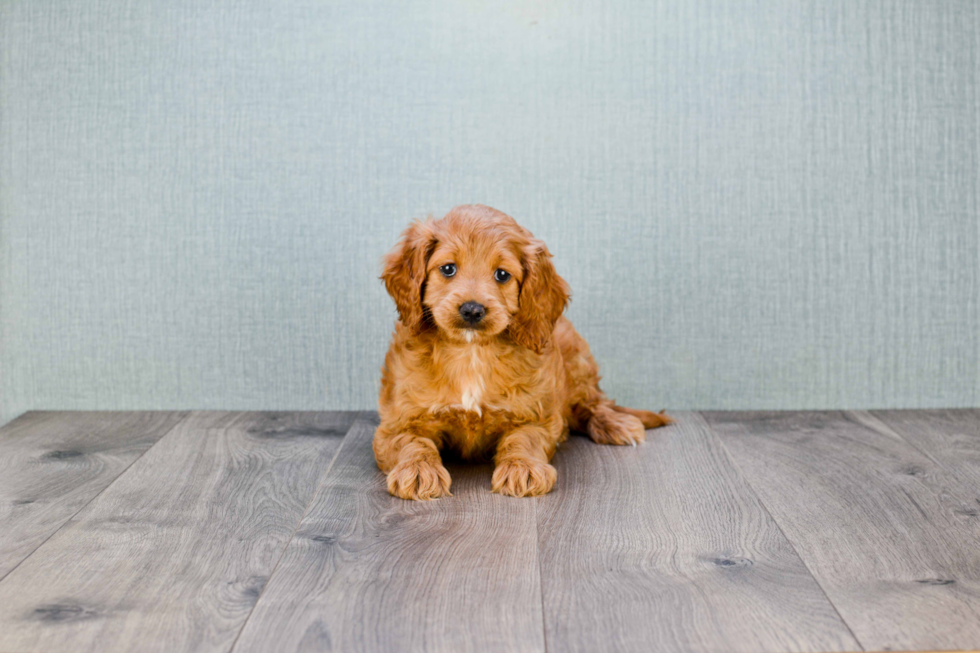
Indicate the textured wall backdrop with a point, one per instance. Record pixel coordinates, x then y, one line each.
758 204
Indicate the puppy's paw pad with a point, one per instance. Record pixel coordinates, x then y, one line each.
419 480
610 427
520 478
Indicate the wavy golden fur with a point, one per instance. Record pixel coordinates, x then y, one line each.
511 384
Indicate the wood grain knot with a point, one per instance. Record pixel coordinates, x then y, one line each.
254 586
731 562
62 454
913 470
289 432
60 612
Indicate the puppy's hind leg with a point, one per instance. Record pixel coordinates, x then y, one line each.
650 419
610 426
589 409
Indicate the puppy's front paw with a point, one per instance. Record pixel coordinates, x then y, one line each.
419 480
523 478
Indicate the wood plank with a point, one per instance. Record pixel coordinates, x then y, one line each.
952 439
52 463
369 572
173 555
665 547
875 520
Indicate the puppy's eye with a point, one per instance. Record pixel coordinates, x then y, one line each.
501 275
448 270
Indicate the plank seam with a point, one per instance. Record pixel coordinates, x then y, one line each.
100 493
326 475
748 482
884 428
537 541
905 436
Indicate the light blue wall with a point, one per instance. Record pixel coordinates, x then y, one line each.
757 204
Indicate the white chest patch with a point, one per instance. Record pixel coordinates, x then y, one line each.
472 394
473 387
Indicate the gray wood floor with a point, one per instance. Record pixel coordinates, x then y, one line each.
260 531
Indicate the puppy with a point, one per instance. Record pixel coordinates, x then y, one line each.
483 362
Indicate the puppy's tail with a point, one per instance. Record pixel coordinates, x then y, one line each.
650 419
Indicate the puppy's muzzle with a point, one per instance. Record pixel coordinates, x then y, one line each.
472 313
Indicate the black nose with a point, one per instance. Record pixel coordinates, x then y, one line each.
472 312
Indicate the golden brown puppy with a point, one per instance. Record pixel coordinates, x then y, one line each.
482 360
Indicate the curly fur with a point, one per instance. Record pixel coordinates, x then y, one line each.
512 387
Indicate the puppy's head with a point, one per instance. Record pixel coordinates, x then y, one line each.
475 275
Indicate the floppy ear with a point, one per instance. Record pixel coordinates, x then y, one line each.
543 297
404 272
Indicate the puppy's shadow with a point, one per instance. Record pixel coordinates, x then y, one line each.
474 476
468 475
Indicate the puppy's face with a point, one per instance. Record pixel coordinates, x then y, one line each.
475 274
472 286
